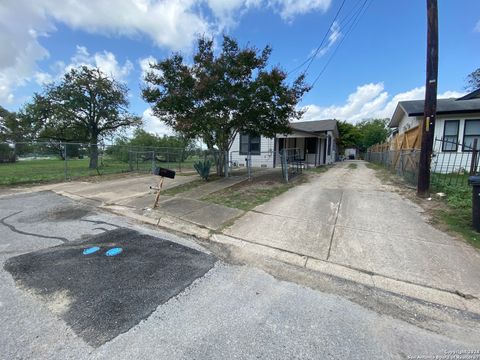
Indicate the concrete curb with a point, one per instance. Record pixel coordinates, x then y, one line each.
380 282
376 281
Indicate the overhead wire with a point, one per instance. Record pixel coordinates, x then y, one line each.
356 19
310 59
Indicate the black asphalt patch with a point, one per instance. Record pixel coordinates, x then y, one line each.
100 297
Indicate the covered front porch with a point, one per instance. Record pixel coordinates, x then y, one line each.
310 149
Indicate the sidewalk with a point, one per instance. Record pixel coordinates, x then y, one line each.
344 223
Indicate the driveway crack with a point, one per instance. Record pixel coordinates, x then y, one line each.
14 229
334 226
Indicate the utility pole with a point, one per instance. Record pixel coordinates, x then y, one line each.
430 107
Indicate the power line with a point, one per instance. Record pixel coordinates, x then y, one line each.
311 57
324 38
355 19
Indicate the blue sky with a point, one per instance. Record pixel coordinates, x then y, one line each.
379 62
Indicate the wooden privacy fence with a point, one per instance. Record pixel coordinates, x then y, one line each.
401 153
410 139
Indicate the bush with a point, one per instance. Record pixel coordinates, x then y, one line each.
203 168
7 154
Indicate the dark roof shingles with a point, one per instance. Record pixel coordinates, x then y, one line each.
315 126
415 107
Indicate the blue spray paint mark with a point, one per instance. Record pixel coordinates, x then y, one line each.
114 251
91 250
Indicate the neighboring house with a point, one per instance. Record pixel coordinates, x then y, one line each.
350 153
457 123
315 143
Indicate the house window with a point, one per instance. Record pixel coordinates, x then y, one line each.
329 145
472 131
249 144
450 135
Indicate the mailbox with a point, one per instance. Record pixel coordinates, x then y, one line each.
164 172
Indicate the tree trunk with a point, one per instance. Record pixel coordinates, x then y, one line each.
220 158
93 154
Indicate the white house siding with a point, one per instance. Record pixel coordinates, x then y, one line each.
330 159
268 149
407 122
265 159
447 162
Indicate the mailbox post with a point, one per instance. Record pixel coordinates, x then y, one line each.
163 173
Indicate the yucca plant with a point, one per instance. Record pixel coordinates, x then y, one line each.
203 168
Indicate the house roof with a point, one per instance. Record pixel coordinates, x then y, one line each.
316 126
469 103
473 95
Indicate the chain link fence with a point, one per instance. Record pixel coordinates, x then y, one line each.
452 162
402 162
57 161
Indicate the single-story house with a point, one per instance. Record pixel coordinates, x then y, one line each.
312 142
457 124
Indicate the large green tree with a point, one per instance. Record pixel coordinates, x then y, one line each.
86 105
371 132
220 95
348 135
473 80
14 128
142 138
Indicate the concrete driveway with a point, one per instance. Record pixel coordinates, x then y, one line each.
348 217
167 297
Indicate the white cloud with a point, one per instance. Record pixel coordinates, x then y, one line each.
334 36
105 61
288 9
43 78
228 12
368 101
477 26
171 24
145 66
154 125
20 49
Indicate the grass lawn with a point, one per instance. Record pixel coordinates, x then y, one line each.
45 170
457 214
249 194
453 179
352 166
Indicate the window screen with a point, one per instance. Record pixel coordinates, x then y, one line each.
450 135
472 131
249 143
243 144
255 145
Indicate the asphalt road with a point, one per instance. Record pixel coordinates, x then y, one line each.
166 297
